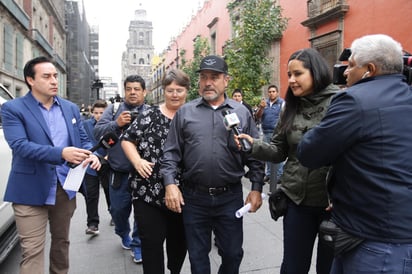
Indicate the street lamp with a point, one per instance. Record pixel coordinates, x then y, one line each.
177 52
97 85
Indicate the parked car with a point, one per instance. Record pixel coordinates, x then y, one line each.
8 231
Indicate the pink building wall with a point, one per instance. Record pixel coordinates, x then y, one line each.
295 37
199 26
364 17
393 18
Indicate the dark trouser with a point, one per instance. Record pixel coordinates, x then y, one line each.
120 209
104 178
300 229
375 257
92 199
155 226
204 213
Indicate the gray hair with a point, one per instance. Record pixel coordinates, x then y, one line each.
379 49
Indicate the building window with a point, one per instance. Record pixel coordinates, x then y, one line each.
235 25
316 7
326 5
19 54
213 43
329 46
141 38
8 52
212 30
320 11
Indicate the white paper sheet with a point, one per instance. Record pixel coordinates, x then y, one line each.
75 177
245 209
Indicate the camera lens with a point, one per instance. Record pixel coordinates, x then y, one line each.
327 238
134 114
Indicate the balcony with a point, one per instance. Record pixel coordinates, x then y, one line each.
321 11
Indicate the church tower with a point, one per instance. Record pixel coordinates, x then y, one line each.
139 48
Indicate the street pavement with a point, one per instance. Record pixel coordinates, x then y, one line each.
103 254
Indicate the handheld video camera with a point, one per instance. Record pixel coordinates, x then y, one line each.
134 114
339 69
407 67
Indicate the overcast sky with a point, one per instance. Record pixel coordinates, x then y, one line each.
113 18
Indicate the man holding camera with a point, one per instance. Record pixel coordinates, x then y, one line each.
366 137
117 118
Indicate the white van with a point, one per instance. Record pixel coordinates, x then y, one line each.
8 232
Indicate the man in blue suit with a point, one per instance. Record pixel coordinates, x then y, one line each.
44 132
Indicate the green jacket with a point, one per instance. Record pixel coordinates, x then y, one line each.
302 185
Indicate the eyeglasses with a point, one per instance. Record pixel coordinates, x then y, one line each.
178 90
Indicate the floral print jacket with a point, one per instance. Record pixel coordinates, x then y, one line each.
149 131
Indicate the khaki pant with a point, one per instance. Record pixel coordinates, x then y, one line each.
31 224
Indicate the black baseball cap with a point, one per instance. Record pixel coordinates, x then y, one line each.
213 62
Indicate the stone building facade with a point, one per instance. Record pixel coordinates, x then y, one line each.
137 58
29 28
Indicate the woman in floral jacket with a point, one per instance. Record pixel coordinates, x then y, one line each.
143 145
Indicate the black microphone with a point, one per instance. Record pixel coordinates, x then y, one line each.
107 141
231 122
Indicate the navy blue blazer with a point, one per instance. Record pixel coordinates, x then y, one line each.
366 135
34 155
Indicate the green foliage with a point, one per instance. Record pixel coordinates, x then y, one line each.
201 49
257 24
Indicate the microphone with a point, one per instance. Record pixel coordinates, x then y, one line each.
231 122
107 141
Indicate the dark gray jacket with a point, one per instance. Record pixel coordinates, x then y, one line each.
107 123
367 137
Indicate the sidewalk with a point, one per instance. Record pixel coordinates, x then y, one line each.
103 254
